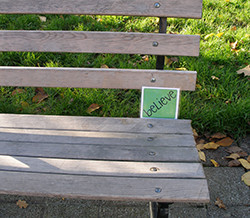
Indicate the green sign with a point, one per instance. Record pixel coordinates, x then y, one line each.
160 102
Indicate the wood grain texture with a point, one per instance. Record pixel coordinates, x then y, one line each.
105 124
95 78
104 188
99 42
95 138
170 8
100 152
101 168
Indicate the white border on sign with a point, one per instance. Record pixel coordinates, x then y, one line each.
177 101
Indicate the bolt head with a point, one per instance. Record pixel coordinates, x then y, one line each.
151 153
150 139
158 190
157 5
150 125
155 44
153 80
153 169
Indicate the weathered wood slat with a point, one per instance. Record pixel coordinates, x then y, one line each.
107 188
170 8
95 78
95 138
99 42
101 168
100 152
105 124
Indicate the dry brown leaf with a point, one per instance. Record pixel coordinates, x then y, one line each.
234 163
21 204
233 149
245 70
168 61
202 156
246 178
245 163
174 59
200 147
233 45
39 90
92 108
39 97
225 142
215 78
220 203
145 58
233 156
242 154
17 91
195 134
218 135
214 163
200 141
234 28
211 145
248 159
104 66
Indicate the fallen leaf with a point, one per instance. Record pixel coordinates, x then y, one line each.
248 159
200 147
39 97
246 178
174 59
220 34
233 149
225 142
42 18
218 135
39 90
168 61
181 68
234 28
245 163
92 108
202 156
233 156
25 104
215 78
233 45
21 204
220 203
245 70
17 91
145 58
198 86
208 36
195 134
211 145
242 154
200 141
234 163
214 163
104 66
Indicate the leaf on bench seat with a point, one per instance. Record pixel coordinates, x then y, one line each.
21 204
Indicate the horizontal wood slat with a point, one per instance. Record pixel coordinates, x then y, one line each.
95 78
170 8
101 168
105 124
103 188
95 138
99 42
100 152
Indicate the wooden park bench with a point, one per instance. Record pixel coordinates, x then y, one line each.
102 158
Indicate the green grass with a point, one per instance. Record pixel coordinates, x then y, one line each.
221 105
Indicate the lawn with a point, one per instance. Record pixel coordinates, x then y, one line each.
221 102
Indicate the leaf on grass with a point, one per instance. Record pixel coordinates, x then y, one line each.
208 36
17 91
25 104
233 45
92 108
39 90
234 163
211 145
42 18
246 178
245 70
168 61
215 78
233 149
200 147
104 66
225 142
39 97
21 204
218 135
145 58
234 28
202 156
220 34
245 163
214 163
233 156
220 203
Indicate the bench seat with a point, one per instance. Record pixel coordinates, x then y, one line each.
100 158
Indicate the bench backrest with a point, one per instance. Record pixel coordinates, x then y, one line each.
100 42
